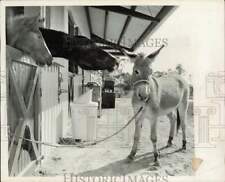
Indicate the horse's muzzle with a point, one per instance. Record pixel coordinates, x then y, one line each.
49 60
115 67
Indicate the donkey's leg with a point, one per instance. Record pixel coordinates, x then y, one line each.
172 128
137 134
154 138
182 109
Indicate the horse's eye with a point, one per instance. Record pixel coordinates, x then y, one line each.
137 72
39 36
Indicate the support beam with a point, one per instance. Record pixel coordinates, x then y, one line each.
88 19
161 15
111 50
116 53
105 47
98 39
126 25
106 23
126 11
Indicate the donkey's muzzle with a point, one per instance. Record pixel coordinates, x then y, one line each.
141 97
142 93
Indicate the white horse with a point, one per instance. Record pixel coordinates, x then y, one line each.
160 96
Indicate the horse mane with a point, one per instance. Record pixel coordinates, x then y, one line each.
65 39
20 22
53 36
17 26
52 32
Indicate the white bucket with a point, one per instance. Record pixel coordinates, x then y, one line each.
84 118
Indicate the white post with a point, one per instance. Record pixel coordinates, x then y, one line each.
4 82
43 14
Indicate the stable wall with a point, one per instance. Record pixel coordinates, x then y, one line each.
59 21
54 114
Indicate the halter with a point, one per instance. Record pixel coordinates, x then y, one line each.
145 82
139 81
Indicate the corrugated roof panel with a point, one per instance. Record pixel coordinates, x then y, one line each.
97 21
115 25
149 10
134 30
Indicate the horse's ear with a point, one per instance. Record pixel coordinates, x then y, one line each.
41 21
153 55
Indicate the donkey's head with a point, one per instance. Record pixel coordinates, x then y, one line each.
142 69
23 33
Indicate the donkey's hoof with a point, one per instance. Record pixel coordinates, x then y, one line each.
156 164
156 155
169 144
130 158
184 145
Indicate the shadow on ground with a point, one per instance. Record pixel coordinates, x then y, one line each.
125 167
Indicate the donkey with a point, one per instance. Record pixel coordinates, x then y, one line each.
159 96
23 33
79 50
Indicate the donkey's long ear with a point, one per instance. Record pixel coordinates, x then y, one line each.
129 54
154 54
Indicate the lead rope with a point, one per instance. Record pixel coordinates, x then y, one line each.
87 143
81 145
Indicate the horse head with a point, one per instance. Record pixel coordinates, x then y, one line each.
109 61
79 50
90 57
23 33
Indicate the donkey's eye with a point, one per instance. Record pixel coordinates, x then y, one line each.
137 72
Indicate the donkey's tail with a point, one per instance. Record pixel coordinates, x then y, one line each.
178 120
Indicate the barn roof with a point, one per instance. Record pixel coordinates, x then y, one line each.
115 27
